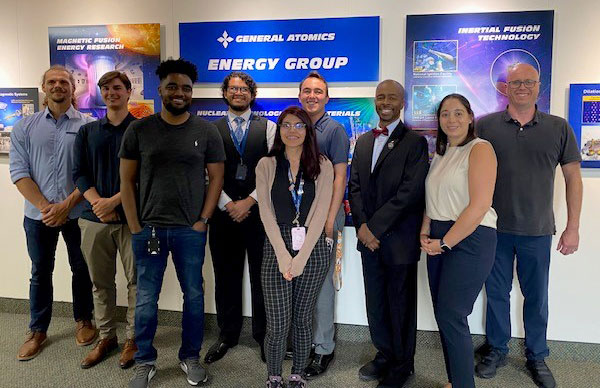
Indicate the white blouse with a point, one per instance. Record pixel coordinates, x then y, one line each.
447 185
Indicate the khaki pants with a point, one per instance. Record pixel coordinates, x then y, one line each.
99 244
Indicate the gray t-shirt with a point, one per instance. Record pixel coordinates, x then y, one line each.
172 161
527 159
332 139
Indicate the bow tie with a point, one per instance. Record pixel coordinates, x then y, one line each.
377 132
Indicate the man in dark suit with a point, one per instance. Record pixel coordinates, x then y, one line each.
236 227
387 195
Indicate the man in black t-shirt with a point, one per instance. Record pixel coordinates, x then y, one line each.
529 144
166 155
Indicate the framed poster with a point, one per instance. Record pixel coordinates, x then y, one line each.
15 103
91 51
584 117
469 54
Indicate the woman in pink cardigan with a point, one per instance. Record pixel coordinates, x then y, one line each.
294 184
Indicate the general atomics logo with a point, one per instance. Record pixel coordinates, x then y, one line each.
225 39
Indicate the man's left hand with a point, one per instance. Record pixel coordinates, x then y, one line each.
200 226
241 209
55 214
568 242
103 206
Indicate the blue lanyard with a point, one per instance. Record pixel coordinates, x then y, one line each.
240 147
296 195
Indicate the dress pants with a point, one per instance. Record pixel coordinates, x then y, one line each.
229 242
100 243
186 246
41 246
324 324
291 303
533 268
391 295
455 280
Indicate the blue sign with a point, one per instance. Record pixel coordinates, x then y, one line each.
469 54
341 49
584 117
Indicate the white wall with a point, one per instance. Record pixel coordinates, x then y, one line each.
574 309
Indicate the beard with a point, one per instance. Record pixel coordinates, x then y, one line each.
176 111
239 107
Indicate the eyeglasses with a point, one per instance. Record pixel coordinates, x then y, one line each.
236 89
529 83
298 125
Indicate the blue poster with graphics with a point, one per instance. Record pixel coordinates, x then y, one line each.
90 51
15 103
469 54
584 117
341 49
357 115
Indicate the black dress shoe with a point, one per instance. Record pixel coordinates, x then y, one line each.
395 380
318 366
216 352
372 371
541 374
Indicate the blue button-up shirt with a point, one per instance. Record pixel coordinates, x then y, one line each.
41 148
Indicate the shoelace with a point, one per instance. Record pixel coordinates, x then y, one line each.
142 371
193 363
297 381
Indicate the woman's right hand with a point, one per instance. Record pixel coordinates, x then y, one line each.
424 239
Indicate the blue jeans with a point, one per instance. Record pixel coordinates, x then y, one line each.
187 250
533 267
41 246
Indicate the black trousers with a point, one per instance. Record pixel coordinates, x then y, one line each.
229 242
455 280
391 294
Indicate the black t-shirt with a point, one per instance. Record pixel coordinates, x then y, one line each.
527 159
172 161
283 203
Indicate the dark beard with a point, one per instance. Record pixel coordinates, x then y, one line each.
240 109
177 111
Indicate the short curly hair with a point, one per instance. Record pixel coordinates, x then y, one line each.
179 66
244 77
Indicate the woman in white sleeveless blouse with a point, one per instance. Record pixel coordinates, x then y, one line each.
459 230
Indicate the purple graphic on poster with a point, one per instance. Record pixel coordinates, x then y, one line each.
89 52
469 54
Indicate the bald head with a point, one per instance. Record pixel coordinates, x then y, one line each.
523 86
389 101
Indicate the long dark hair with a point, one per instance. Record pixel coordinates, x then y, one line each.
442 139
310 158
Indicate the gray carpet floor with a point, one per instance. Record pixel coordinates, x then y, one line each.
574 365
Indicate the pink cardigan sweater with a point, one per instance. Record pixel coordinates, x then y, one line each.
315 221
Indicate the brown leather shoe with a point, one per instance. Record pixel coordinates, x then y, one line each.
32 346
129 349
102 348
85 333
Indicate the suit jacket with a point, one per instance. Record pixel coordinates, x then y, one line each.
391 199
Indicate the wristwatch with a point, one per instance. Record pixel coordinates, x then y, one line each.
204 220
444 246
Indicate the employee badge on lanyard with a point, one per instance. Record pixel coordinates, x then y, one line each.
298 232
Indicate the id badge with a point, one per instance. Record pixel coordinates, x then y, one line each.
241 172
153 246
298 236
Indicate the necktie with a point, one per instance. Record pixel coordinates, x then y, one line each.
377 132
239 131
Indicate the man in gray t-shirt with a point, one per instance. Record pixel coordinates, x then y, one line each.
163 163
529 144
333 142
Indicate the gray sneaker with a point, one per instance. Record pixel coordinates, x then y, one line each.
196 374
143 374
296 381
